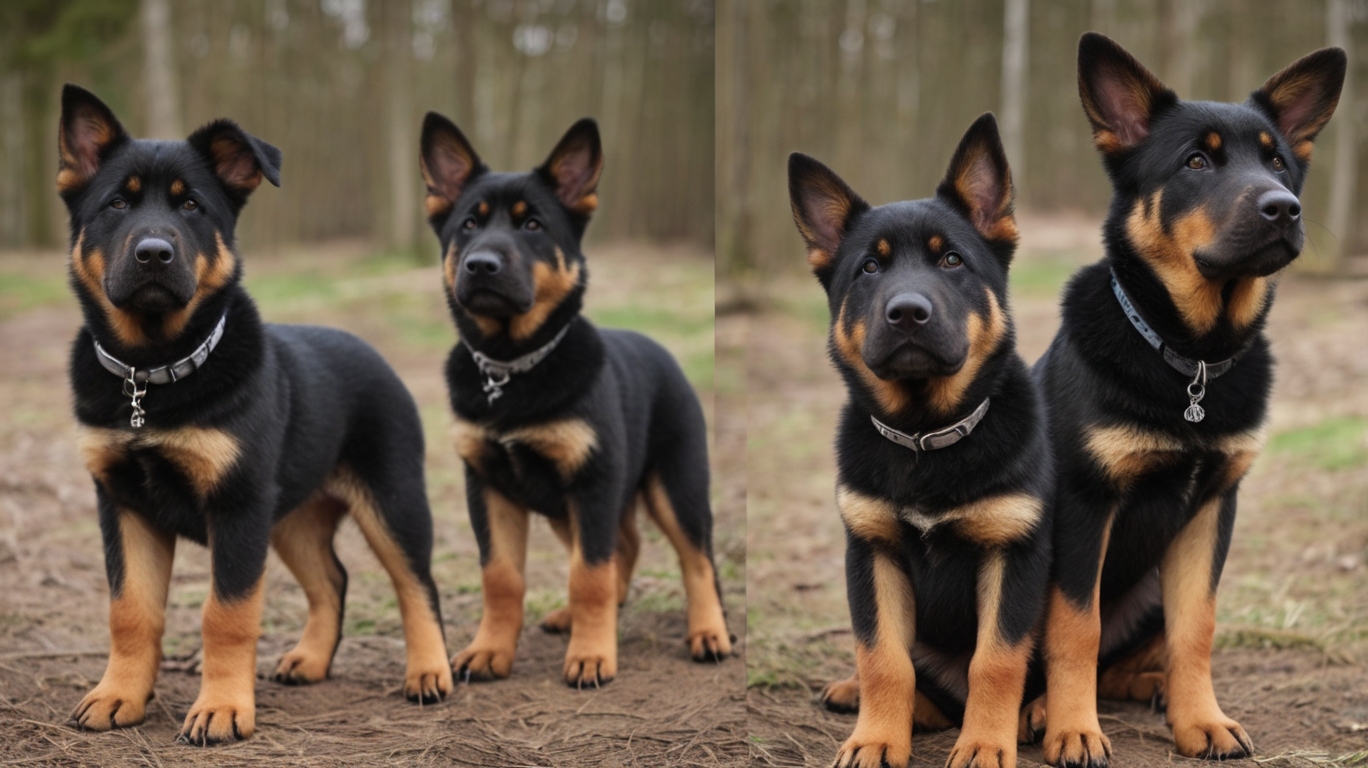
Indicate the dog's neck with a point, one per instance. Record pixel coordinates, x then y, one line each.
152 348
500 345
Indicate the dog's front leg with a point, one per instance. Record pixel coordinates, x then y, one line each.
501 531
591 658
138 563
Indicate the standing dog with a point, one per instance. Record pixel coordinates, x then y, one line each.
556 416
1158 387
944 470
199 421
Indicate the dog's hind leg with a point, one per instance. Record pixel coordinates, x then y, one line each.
677 500
304 541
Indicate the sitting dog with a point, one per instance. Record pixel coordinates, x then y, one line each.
944 470
1157 386
554 415
199 421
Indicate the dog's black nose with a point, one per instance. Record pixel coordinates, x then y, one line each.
1279 206
484 263
908 311
154 248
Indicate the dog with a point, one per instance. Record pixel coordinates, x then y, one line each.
556 416
199 421
1157 386
944 472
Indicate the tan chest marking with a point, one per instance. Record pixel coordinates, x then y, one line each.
867 517
1127 453
203 455
567 443
992 521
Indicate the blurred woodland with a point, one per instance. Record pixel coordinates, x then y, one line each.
341 87
881 90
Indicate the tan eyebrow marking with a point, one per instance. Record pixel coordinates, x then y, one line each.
885 250
1213 141
520 208
935 243
177 188
133 185
483 208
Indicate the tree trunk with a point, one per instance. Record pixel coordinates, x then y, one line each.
400 135
1344 171
1015 45
159 71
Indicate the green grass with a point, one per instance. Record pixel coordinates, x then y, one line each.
22 292
1334 444
1041 276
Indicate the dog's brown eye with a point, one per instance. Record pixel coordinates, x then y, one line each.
532 225
1278 163
870 266
468 224
952 259
1197 162
190 205
118 203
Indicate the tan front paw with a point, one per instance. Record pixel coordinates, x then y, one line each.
981 753
299 667
1067 747
1212 738
587 666
214 720
428 682
842 695
870 750
557 622
105 708
710 643
482 663
1031 725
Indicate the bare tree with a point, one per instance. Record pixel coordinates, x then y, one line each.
1015 45
397 23
159 71
1345 167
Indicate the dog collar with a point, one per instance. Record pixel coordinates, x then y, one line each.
497 372
1200 370
165 374
940 438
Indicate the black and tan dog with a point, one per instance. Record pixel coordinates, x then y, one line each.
944 468
556 416
1158 385
199 421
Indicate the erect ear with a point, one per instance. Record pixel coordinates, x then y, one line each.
1302 97
574 166
448 163
824 207
239 159
88 132
979 182
1119 95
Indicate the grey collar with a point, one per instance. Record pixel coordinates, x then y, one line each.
497 372
165 374
1200 370
940 438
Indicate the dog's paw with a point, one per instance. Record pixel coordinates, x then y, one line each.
427 683
1031 725
482 663
557 622
300 667
105 708
710 643
1212 738
1076 747
215 720
873 751
589 667
981 753
842 695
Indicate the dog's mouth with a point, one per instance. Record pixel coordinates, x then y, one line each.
151 297
489 303
910 360
1260 261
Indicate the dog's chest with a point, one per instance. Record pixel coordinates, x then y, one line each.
522 460
1128 456
201 456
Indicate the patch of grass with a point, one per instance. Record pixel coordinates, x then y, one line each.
659 602
1259 638
1334 444
1041 276
20 292
283 291
541 602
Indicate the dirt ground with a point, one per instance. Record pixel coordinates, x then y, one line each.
1293 607
662 710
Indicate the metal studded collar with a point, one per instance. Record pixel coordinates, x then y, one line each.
164 374
497 372
937 439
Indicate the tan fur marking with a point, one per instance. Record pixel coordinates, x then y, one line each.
520 208
551 286
1073 636
892 397
428 674
89 270
867 517
1303 149
591 657
708 634
210 278
304 541
491 652
435 205
1213 141
1247 300
887 678
177 188
488 326
203 455
136 621
996 521
567 443
1170 254
586 205
225 709
845 695
1265 140
935 243
946 393
818 259
885 250
1241 451
1126 453
1190 621
483 208
69 180
1138 676
471 442
133 185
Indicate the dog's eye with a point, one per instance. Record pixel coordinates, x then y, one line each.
118 203
1278 164
532 225
190 205
1197 161
952 260
870 266
468 224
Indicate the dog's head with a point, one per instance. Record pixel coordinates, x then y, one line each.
917 289
152 222
1207 192
511 241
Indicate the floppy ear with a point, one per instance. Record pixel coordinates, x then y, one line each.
448 163
574 167
1119 95
1302 97
87 133
824 207
239 159
979 183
